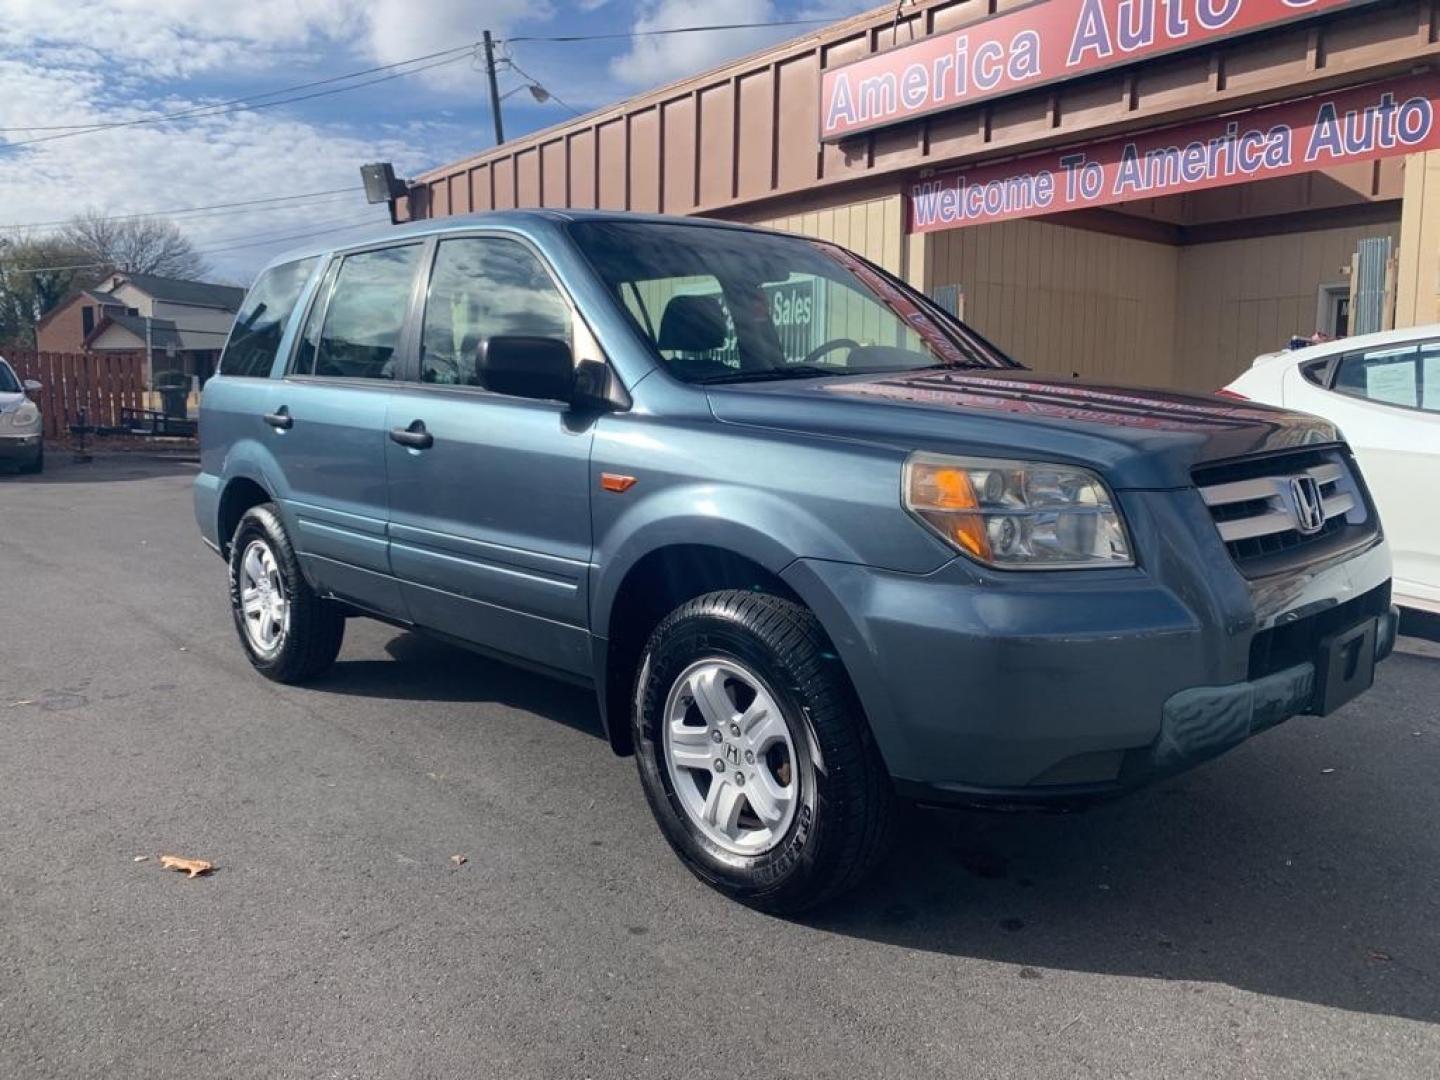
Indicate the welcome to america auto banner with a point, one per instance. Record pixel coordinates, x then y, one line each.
1358 124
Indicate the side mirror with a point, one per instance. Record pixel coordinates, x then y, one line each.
545 369
528 367
30 386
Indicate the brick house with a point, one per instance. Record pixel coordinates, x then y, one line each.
185 322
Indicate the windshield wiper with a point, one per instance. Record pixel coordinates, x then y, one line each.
789 371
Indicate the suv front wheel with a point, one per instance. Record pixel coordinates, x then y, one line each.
289 633
755 757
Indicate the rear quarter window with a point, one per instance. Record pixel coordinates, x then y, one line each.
260 324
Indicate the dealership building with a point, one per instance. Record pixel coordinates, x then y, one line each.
1150 191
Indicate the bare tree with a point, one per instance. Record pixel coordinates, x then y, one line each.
147 245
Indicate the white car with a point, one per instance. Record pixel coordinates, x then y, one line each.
21 438
1383 392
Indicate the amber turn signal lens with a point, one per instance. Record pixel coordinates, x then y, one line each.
616 482
942 494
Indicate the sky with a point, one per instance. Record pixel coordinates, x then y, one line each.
68 64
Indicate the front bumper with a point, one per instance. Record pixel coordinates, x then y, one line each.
1016 688
20 448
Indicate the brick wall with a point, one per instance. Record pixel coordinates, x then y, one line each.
64 331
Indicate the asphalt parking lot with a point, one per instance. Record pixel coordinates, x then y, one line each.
1275 913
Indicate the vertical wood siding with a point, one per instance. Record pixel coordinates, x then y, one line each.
1065 300
874 228
1417 294
1241 298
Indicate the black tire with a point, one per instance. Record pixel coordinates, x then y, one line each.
311 641
845 807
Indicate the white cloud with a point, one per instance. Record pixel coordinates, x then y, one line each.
188 37
110 60
230 158
653 61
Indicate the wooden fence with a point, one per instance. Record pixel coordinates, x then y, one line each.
98 385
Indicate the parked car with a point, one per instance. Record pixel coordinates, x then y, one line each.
816 545
22 439
1382 391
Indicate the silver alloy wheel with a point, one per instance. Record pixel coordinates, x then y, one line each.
729 755
263 604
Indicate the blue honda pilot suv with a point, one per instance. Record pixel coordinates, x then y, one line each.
815 544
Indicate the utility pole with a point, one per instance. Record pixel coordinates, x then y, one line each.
494 89
149 356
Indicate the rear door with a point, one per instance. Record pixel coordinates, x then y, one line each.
1386 400
328 422
490 519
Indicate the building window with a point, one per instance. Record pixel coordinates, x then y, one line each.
87 320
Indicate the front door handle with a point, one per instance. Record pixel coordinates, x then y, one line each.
415 437
281 419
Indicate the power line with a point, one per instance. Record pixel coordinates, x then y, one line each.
196 209
665 32
243 104
256 97
293 236
6 271
509 59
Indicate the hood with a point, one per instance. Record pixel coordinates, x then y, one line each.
1134 438
9 401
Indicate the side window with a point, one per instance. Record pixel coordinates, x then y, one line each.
1430 376
1388 375
363 318
260 323
1318 371
484 287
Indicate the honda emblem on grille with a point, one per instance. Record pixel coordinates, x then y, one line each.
1309 506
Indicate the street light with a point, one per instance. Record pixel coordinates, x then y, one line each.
538 92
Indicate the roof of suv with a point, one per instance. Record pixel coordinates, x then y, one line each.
495 217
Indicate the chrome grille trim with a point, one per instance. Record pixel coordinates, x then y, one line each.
1260 517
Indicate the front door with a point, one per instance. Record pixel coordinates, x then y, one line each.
489 494
329 416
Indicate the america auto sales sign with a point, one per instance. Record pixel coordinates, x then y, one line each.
1031 46
1362 123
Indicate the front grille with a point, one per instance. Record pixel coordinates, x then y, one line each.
1277 511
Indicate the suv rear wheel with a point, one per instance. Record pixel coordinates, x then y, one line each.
754 754
289 633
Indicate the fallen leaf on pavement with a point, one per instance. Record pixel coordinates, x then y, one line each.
141 858
191 867
17 704
459 860
1326 772
1376 954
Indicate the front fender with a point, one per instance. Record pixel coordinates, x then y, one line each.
754 524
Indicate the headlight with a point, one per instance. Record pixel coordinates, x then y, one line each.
1017 515
25 415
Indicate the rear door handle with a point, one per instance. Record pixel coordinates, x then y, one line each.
415 436
280 419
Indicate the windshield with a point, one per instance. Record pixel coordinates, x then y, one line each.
729 305
9 384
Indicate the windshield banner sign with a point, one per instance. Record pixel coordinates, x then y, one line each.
1032 46
1360 124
